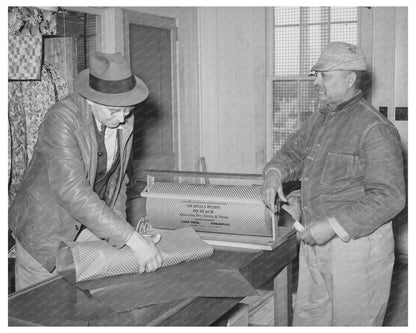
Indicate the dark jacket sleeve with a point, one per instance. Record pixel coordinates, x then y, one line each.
290 158
384 186
68 180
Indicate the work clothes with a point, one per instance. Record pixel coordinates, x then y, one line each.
345 283
56 195
350 165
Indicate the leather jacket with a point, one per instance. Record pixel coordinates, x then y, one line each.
350 165
56 195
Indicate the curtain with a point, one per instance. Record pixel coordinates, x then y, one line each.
28 102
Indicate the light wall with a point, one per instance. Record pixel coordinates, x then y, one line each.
385 42
233 88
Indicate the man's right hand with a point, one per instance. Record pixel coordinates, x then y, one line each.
146 253
272 185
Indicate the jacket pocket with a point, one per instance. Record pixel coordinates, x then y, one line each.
339 169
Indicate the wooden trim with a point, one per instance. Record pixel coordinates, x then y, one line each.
365 41
89 10
269 85
150 20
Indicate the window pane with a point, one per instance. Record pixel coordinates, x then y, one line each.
343 14
345 32
279 138
315 14
314 39
286 55
285 105
308 100
91 36
286 15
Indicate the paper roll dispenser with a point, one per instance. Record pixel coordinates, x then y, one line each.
230 213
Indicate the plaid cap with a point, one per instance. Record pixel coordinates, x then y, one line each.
339 56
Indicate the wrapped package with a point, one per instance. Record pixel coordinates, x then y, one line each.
98 259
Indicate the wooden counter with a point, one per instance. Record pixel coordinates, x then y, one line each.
56 302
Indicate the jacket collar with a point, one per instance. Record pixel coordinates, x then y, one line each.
343 105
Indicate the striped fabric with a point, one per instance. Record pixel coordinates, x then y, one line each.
98 259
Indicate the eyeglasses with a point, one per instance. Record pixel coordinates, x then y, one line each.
125 110
315 74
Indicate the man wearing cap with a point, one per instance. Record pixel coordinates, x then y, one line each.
75 185
349 161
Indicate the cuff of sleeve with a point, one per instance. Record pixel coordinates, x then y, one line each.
120 244
339 230
273 169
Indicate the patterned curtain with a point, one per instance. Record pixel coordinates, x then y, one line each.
28 102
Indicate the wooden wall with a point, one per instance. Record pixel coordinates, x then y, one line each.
221 84
385 40
233 88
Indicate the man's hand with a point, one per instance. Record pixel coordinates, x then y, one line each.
146 253
272 185
306 236
318 232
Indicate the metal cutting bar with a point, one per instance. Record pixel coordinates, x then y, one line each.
204 174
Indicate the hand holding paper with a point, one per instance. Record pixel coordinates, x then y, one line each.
145 252
318 232
293 208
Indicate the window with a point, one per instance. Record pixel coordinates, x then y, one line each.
300 34
83 27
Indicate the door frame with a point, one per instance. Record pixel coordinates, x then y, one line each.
136 17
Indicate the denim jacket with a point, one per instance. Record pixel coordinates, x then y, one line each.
350 164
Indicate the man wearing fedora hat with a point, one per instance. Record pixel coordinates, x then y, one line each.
349 161
75 185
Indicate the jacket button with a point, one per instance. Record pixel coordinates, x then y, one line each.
100 153
101 173
76 227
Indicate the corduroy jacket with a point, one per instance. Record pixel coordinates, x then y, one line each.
56 195
350 164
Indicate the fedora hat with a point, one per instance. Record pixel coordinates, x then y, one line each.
109 81
340 56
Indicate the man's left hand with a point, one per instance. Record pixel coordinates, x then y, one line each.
318 232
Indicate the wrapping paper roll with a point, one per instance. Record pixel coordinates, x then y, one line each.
208 208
